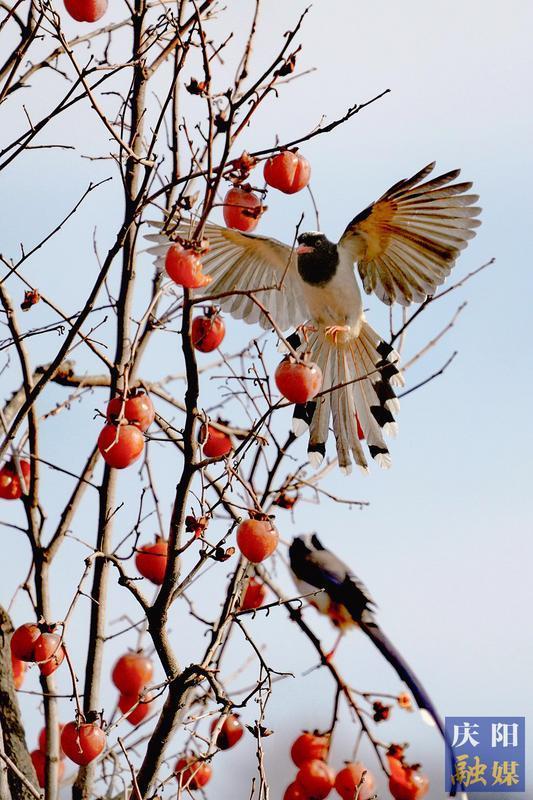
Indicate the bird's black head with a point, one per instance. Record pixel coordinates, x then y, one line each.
303 546
318 258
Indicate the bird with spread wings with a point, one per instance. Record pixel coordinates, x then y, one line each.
404 244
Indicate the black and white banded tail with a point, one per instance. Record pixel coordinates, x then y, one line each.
365 370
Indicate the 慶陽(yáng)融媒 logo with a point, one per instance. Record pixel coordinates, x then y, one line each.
485 754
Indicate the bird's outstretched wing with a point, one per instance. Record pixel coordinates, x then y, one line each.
406 243
245 262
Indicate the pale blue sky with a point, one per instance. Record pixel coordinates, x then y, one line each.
445 546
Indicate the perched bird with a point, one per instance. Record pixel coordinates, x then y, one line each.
404 244
347 602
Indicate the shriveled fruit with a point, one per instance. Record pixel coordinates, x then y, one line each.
48 652
140 706
298 381
257 539
86 10
132 672
10 484
242 209
137 409
404 701
207 332
23 641
184 266
38 759
192 774
215 443
316 778
348 779
19 670
230 732
120 445
289 172
308 746
151 560
83 743
254 595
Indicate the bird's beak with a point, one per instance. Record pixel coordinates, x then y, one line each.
304 248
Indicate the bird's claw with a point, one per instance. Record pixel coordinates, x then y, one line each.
329 656
305 330
333 331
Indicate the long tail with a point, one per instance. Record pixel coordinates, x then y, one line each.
405 673
364 407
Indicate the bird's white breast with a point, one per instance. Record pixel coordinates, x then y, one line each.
313 596
339 301
337 613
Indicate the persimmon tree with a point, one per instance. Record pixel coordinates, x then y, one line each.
154 89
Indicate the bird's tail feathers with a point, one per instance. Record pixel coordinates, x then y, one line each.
404 672
365 370
421 697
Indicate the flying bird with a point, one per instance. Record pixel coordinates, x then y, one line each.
405 245
348 604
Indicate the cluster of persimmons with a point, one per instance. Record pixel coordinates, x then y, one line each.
315 779
82 741
121 442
